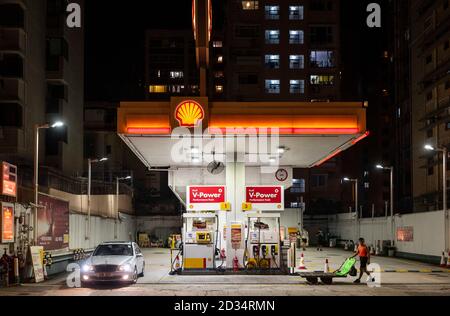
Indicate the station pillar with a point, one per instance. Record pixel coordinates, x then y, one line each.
235 181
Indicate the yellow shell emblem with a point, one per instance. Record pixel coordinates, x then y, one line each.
189 113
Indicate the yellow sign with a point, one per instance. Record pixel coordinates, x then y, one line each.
246 207
225 207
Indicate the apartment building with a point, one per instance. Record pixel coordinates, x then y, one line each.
280 50
41 81
430 101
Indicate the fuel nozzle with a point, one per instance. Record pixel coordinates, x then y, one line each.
274 250
264 251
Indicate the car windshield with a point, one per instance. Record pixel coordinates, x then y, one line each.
113 250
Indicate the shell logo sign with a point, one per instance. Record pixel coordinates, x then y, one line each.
189 113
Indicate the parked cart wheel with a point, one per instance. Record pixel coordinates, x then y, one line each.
312 280
327 281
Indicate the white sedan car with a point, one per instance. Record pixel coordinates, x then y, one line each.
114 261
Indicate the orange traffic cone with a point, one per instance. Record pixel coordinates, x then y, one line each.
327 267
302 263
443 263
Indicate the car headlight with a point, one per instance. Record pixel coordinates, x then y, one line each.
125 268
88 268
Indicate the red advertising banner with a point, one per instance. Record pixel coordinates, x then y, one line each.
205 198
8 179
257 195
206 195
7 227
53 223
265 198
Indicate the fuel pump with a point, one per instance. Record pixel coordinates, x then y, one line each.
263 241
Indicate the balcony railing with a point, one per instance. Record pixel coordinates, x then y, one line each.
13 40
12 90
56 68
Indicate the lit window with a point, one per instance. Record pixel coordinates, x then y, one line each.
219 74
296 37
219 59
296 13
272 12
322 59
272 61
322 80
217 44
272 37
273 86
176 89
219 89
176 74
158 89
296 62
297 86
250 5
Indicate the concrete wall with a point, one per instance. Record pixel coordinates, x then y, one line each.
159 226
428 228
101 205
102 229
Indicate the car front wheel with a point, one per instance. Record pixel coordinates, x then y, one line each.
143 272
135 275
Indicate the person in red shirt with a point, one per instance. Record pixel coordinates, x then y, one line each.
364 257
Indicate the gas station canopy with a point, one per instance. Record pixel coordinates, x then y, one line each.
310 133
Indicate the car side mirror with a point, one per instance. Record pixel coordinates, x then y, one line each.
140 255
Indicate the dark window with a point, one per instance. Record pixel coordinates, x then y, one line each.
57 47
446 45
447 126
321 5
429 59
321 35
429 133
445 4
11 15
53 137
429 96
447 85
11 66
57 91
108 150
11 115
430 171
319 180
248 79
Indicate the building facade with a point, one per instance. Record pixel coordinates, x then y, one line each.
42 81
430 91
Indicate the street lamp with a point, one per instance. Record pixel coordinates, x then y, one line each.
444 152
391 170
37 129
355 181
90 162
118 179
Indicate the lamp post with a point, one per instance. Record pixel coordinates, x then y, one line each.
355 181
37 129
391 170
90 162
444 152
118 179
